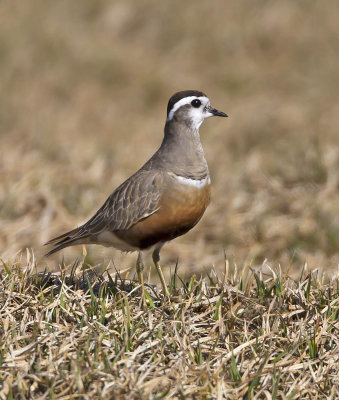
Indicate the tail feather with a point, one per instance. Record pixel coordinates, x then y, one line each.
61 246
63 236
71 238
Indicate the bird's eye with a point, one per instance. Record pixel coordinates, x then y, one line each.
196 103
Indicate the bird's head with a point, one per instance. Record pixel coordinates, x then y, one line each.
192 108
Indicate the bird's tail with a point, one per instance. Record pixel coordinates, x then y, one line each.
71 238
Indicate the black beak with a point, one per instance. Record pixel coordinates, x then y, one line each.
217 113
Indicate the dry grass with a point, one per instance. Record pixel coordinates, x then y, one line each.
83 94
240 335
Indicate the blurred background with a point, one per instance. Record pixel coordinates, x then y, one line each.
83 91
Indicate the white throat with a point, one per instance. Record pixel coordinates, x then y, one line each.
197 115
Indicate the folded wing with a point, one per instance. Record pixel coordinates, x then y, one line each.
134 200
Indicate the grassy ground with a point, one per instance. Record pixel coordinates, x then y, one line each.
237 335
83 93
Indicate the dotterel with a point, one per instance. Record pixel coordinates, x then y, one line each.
164 199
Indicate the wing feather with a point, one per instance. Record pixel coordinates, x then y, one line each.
134 200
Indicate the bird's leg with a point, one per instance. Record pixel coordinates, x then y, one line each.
140 272
156 259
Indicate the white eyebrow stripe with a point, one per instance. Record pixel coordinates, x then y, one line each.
182 102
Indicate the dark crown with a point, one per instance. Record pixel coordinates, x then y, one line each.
181 95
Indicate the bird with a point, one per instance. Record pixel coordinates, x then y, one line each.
164 199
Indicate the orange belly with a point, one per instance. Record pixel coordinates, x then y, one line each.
181 207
